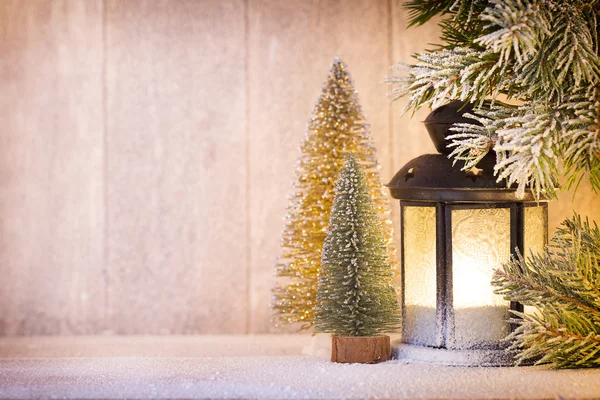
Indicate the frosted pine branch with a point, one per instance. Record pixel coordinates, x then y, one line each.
581 136
527 151
515 26
542 53
563 284
524 139
472 142
552 342
439 77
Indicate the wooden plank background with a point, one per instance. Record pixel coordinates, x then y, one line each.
148 148
52 270
175 171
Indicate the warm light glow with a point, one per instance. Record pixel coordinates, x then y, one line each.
535 236
536 229
480 244
420 275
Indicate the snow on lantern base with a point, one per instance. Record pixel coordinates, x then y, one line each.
465 358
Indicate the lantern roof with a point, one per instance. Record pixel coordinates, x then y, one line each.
439 121
433 177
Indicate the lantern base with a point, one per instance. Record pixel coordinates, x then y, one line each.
464 358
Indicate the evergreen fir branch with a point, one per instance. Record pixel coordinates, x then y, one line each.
421 11
462 12
515 27
524 139
538 339
460 35
462 73
543 53
465 12
472 142
464 27
576 60
527 150
574 124
530 288
584 239
563 283
581 136
565 57
400 82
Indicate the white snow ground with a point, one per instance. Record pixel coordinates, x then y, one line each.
265 367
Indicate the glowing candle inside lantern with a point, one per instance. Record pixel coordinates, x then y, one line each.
447 269
480 244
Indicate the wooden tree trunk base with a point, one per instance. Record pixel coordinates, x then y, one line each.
360 349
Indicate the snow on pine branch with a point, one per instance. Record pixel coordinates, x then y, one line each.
542 53
581 135
562 282
573 45
515 29
566 54
461 73
472 142
524 139
527 151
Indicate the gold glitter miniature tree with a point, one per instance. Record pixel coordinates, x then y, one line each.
337 127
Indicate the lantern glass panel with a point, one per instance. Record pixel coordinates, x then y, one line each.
419 275
535 236
481 242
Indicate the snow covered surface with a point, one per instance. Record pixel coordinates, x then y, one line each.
268 367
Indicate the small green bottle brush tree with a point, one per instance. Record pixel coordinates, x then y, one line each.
356 300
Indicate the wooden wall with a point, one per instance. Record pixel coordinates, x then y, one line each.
148 147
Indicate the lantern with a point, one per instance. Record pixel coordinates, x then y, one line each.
456 228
